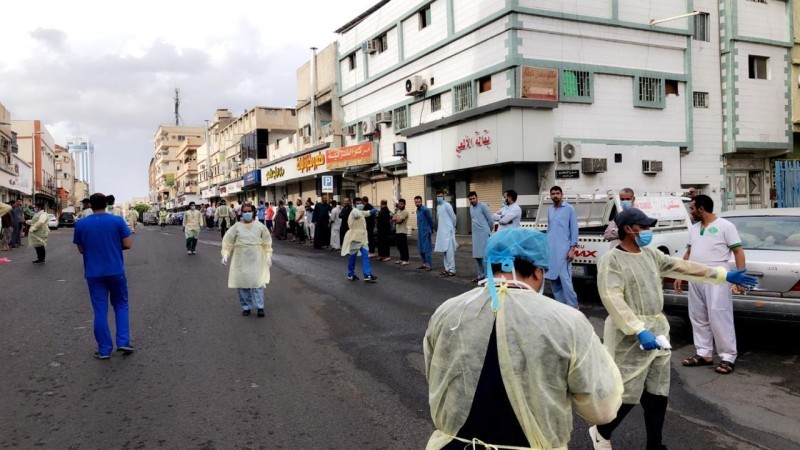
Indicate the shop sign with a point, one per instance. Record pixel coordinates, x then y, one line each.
252 177
539 83
231 188
476 140
354 155
209 192
327 184
567 174
310 163
274 173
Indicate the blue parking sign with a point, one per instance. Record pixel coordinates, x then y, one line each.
327 184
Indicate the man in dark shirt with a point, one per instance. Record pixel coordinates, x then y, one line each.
101 238
347 208
322 221
370 227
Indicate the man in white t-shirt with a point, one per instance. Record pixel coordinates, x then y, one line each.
712 240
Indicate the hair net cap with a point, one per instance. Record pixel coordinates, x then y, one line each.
505 246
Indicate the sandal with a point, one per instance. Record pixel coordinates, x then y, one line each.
449 274
725 368
695 361
428 269
403 263
443 273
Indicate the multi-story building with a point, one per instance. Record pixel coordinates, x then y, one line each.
37 147
212 171
186 182
82 150
15 174
65 179
164 167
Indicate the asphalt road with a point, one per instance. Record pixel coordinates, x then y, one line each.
335 364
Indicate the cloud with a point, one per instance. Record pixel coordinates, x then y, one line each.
52 39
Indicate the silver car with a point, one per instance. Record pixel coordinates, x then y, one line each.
771 240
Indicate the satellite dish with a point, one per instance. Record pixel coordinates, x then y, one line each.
568 151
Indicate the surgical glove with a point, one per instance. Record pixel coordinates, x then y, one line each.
741 278
648 340
269 261
373 211
224 260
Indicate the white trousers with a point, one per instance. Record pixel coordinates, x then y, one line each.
711 314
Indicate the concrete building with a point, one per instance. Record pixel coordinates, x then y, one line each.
37 147
186 182
65 179
82 150
15 173
167 142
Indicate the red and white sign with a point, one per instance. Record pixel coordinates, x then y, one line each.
351 156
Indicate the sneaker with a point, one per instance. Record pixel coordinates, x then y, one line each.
260 312
194 252
599 442
97 355
246 312
371 278
188 252
352 278
38 262
126 349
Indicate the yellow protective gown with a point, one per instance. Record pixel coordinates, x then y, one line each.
630 287
248 247
39 230
132 218
356 236
550 360
192 221
4 209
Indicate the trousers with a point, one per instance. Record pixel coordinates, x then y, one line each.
480 268
655 411
191 244
351 262
711 314
40 253
115 289
251 298
402 246
562 286
449 258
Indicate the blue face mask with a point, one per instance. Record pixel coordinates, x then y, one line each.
505 202
439 200
247 217
626 204
360 207
645 238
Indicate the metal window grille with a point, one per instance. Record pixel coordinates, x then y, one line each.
462 96
758 1
436 102
576 84
400 116
701 27
650 90
700 99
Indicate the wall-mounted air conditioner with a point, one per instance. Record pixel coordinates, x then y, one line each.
594 165
383 117
367 127
652 167
568 151
415 85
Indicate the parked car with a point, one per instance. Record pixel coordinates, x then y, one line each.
66 220
150 219
771 241
52 222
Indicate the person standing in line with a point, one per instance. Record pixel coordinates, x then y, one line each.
300 222
562 235
347 208
626 201
712 241
162 218
506 365
269 217
101 238
132 217
309 222
38 232
446 234
209 213
6 226
510 214
192 221
373 243
691 193
481 230
237 210
248 247
19 222
291 214
424 234
355 243
281 220
629 280
384 222
224 217
322 223
336 226
262 213
400 219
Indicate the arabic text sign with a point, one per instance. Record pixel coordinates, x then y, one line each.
662 208
354 155
310 163
479 139
539 83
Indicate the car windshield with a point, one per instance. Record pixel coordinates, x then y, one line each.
768 232
67 216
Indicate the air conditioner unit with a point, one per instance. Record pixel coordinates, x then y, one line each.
652 167
370 46
367 127
416 85
568 151
350 130
594 165
383 117
399 149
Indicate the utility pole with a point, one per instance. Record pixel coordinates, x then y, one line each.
177 102
313 79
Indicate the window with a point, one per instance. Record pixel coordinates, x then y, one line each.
351 61
462 96
701 27
400 116
759 67
576 86
424 17
436 102
485 84
700 99
649 92
671 87
382 42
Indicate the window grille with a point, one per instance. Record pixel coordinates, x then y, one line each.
700 99
462 96
650 90
436 102
400 116
576 84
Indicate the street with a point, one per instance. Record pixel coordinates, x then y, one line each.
334 364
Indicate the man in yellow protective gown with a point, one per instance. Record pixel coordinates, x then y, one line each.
507 365
636 331
248 247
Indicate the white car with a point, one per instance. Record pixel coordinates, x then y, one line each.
52 222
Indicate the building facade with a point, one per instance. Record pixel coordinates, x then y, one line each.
167 142
82 150
37 147
65 180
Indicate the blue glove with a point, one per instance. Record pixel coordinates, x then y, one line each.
648 340
741 278
373 211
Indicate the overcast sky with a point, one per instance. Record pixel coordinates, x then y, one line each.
108 70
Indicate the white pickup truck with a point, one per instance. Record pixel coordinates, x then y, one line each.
595 211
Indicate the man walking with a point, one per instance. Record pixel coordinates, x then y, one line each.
712 241
510 214
162 218
400 220
481 229
192 221
446 234
209 214
112 209
355 243
38 232
87 209
224 216
101 238
132 218
636 330
562 236
424 234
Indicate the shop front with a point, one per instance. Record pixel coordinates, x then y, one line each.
15 181
231 192
296 177
361 175
251 186
210 195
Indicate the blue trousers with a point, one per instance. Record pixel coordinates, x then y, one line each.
191 244
450 260
351 263
251 298
426 259
480 267
562 286
101 289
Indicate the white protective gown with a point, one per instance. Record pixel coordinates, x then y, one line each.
356 236
192 221
248 247
39 230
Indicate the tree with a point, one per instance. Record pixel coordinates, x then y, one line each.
141 208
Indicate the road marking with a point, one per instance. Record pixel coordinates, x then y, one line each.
214 243
167 234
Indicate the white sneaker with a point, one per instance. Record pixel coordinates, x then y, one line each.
188 252
599 442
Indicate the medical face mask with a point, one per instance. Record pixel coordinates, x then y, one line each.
192 207
644 238
247 217
505 202
626 204
439 200
360 207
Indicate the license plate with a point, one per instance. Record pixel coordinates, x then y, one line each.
580 271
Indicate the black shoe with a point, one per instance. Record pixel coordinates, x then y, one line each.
38 262
97 355
260 312
371 278
246 312
126 350
352 278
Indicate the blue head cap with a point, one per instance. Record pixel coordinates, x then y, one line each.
505 246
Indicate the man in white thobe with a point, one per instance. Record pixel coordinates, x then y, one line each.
446 234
